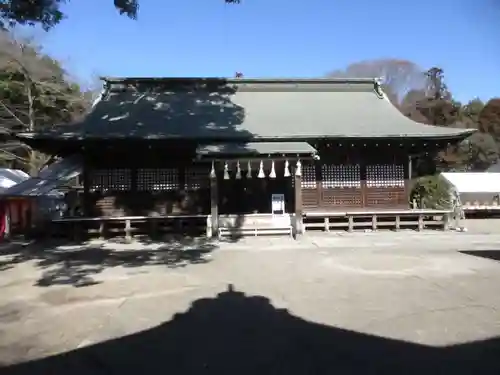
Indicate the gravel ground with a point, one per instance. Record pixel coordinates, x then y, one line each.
326 304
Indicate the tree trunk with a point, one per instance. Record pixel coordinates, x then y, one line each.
31 110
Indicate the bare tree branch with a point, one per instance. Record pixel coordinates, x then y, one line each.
36 94
398 76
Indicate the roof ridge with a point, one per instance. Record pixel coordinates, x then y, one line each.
354 80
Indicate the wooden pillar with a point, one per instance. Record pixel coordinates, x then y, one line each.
298 201
131 194
213 229
20 215
86 186
363 165
410 171
408 182
319 184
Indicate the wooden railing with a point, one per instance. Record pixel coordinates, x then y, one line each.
373 220
79 227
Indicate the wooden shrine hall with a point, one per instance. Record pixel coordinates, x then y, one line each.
227 150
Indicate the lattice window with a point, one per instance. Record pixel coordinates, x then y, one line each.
98 180
110 180
385 175
308 177
149 179
341 176
196 177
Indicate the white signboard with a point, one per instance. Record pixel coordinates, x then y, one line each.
278 204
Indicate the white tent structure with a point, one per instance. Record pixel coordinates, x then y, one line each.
44 189
11 177
49 178
478 191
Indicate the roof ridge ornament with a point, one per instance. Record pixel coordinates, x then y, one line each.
378 87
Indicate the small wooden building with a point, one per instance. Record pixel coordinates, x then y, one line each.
234 147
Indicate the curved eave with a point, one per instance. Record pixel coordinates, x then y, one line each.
434 132
452 135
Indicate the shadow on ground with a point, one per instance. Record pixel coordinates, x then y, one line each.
76 264
488 254
237 334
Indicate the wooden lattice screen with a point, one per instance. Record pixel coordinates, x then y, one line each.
341 176
105 180
308 177
341 186
385 185
385 176
161 179
196 177
309 186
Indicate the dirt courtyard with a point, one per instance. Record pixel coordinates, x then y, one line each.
372 303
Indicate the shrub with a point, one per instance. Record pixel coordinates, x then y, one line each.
431 192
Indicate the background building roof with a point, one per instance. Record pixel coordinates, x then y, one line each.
472 182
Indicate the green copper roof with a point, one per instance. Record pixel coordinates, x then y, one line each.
246 109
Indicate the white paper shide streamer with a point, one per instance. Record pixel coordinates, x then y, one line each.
298 168
249 170
212 171
287 169
226 171
261 170
238 171
272 174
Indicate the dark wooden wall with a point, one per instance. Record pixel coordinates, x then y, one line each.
253 195
182 187
149 191
185 190
142 182
154 182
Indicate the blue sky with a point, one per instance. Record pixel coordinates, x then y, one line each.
282 38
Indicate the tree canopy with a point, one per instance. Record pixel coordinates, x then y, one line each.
48 13
424 96
489 118
35 93
399 76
